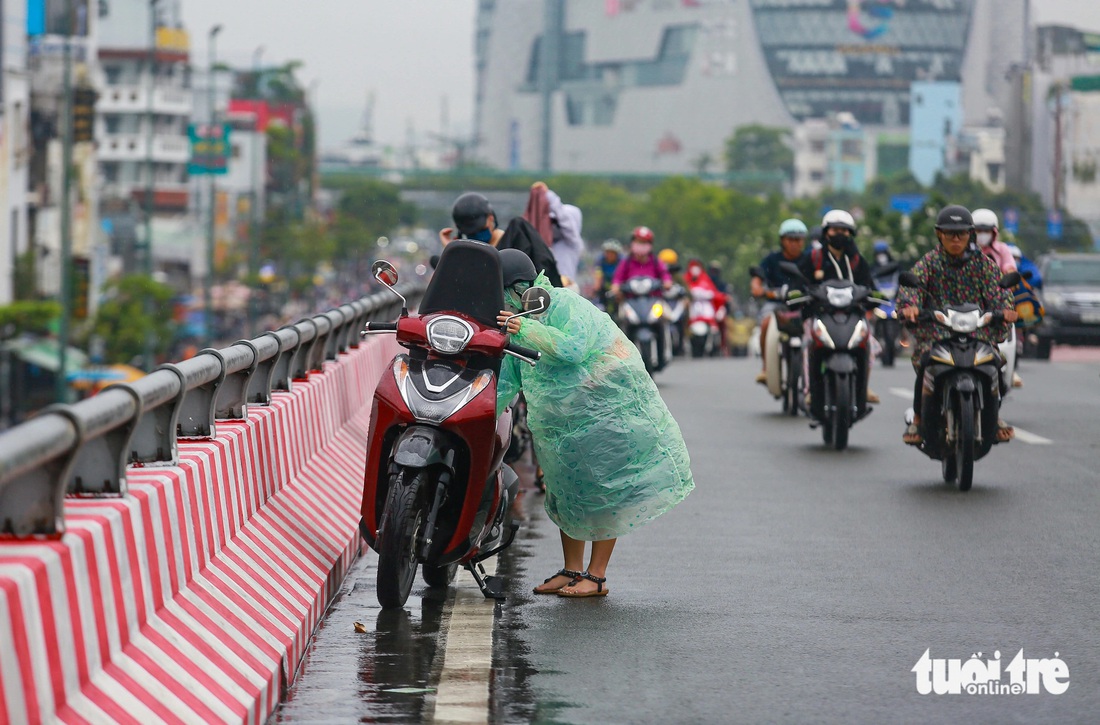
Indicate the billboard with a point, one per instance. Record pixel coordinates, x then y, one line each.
860 56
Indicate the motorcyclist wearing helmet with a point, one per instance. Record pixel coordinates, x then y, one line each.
1027 269
764 286
985 234
953 273
883 257
641 262
838 258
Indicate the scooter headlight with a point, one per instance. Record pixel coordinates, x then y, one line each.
822 335
449 335
435 411
656 312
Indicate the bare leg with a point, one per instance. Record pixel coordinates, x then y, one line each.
597 567
763 336
574 560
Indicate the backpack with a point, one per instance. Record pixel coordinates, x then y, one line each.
817 256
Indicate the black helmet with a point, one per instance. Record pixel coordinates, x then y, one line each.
470 213
516 267
954 218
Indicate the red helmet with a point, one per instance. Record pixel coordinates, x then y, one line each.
643 234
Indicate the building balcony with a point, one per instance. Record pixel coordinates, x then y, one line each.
167 100
134 147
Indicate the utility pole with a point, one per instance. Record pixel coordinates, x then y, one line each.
207 290
66 111
148 357
1058 175
549 60
254 211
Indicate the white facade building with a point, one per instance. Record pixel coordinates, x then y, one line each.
142 118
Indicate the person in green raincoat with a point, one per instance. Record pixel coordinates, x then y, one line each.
612 455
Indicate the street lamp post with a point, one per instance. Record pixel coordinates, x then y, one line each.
208 306
147 259
66 111
254 222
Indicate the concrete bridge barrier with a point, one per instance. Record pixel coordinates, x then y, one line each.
167 547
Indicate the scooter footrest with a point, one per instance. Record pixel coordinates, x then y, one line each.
493 587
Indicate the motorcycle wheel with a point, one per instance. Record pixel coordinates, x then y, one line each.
397 536
794 380
964 444
842 415
698 346
439 576
949 467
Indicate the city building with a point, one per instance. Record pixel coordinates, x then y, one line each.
936 117
834 153
143 112
652 86
15 145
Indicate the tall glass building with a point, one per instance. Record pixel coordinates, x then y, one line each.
658 85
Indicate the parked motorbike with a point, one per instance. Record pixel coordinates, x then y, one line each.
887 326
435 491
642 315
962 388
839 353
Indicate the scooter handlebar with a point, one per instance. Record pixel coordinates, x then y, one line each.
525 354
374 328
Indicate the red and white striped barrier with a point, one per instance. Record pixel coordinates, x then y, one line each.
192 600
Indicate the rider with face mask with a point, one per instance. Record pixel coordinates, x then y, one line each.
838 258
985 234
640 262
953 273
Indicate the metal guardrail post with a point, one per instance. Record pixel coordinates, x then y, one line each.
338 320
154 441
100 465
299 366
232 399
288 349
320 343
32 482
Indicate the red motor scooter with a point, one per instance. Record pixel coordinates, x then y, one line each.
436 493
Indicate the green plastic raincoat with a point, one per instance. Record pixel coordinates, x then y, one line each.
612 455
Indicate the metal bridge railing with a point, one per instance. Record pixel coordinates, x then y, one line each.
85 448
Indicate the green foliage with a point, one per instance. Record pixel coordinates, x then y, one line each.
123 323
760 149
25 316
376 206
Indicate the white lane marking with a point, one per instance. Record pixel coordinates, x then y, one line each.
904 393
1021 435
1025 437
463 693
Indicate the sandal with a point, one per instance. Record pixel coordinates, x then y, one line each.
573 576
600 591
912 436
1005 432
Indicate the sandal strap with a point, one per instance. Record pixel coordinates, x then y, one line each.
597 580
564 572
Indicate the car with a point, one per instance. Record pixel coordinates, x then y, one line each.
1071 297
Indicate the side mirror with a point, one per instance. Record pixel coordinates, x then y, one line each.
756 271
384 272
1028 275
536 300
792 269
908 279
1010 280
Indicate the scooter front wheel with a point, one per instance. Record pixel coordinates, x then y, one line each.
439 576
398 534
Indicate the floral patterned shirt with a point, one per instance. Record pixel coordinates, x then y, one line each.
943 284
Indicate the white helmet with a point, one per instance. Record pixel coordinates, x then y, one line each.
984 219
839 218
1017 253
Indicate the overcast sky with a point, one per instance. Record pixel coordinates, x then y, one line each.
412 54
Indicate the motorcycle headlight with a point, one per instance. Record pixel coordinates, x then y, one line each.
822 335
435 411
839 296
656 312
449 335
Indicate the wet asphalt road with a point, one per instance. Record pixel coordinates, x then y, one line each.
796 584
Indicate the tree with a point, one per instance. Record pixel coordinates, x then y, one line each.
27 317
377 206
759 150
123 325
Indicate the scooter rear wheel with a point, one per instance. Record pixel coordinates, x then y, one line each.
398 533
